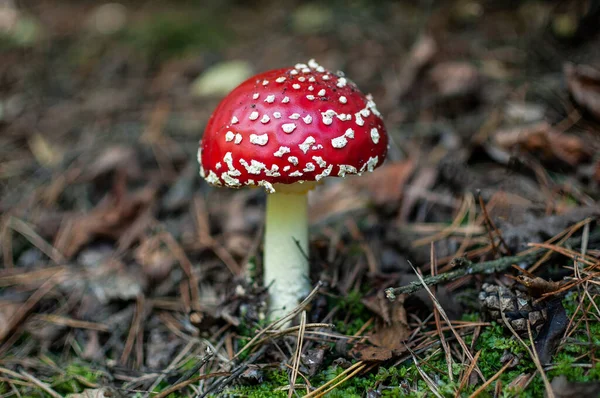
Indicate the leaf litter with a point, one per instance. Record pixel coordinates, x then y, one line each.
123 273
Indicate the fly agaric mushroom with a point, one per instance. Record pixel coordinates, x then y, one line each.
286 130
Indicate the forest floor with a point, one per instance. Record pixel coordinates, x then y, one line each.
123 274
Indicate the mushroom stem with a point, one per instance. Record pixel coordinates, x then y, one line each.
286 247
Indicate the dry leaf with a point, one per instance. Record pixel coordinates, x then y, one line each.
544 142
584 84
363 352
392 329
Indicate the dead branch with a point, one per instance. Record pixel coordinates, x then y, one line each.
467 267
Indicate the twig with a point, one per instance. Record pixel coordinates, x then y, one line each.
486 267
468 268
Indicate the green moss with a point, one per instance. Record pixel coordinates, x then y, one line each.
404 379
273 380
70 382
357 316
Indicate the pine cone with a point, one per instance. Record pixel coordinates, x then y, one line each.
516 305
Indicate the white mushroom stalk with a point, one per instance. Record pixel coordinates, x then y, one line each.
285 262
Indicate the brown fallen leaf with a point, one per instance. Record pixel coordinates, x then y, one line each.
367 353
583 82
392 329
544 142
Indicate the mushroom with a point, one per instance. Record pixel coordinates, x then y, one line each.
286 130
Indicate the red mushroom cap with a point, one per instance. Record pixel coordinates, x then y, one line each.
292 125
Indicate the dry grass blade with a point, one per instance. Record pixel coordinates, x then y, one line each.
72 323
491 226
490 381
204 237
532 352
7 244
272 334
16 277
320 390
447 320
345 379
12 373
282 321
134 329
306 385
41 385
296 364
565 235
186 265
467 374
171 366
29 233
587 260
430 383
447 231
31 302
436 315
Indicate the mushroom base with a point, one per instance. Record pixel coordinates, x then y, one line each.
286 270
